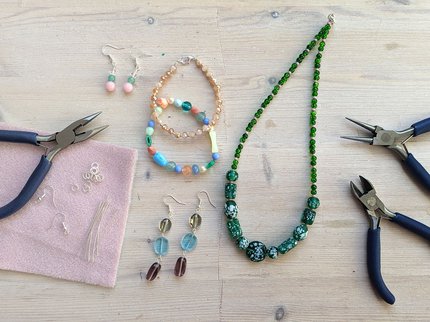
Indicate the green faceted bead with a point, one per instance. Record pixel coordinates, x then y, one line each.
317 65
314 179
148 140
232 175
131 80
231 209
314 186
321 46
111 78
313 170
308 216
300 232
313 202
234 228
244 137
234 166
287 245
235 162
242 243
313 192
230 190
311 45
314 103
319 56
256 251
272 252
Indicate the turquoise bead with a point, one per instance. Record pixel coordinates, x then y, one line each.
313 202
256 251
186 106
160 159
189 242
177 102
201 116
170 166
300 232
231 209
161 246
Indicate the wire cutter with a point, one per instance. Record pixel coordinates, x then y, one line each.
61 140
395 140
376 210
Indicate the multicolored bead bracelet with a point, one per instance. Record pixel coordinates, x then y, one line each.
256 250
160 159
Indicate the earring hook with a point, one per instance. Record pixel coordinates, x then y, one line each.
112 61
168 205
200 199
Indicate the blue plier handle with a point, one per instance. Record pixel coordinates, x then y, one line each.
60 140
396 141
376 210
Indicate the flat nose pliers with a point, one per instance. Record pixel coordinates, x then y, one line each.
395 140
61 140
376 210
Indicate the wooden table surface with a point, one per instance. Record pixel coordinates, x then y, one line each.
375 68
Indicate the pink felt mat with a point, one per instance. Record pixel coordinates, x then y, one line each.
32 240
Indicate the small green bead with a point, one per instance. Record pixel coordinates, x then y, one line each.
249 128
232 175
286 76
313 131
300 232
314 179
308 216
319 56
236 162
230 190
314 103
321 46
314 187
234 228
148 140
253 122
313 170
237 155
210 164
287 245
313 192
131 80
315 92
242 243
111 78
270 97
311 45
234 166
244 137
231 209
272 252
293 67
317 65
313 202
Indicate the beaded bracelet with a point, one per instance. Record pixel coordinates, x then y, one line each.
160 159
159 103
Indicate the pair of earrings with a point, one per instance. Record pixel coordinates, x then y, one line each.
128 86
188 241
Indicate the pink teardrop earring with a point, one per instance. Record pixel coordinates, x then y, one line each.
110 84
129 85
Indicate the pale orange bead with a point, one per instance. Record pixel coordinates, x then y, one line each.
151 150
162 102
186 170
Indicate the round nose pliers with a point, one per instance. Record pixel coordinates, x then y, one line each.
60 140
395 140
376 210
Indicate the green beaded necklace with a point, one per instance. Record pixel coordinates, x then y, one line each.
256 250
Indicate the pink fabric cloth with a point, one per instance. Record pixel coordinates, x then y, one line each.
28 244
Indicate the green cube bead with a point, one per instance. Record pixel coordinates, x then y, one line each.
232 175
234 228
313 202
308 216
230 190
300 232
287 245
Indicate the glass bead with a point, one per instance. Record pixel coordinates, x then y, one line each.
234 228
313 202
178 168
201 116
151 123
210 164
242 243
196 169
189 242
300 232
232 175
148 140
186 106
153 271
160 159
161 246
256 251
195 221
230 190
131 80
287 245
181 266
231 209
308 216
177 102
111 78
165 225
244 137
314 103
186 170
170 166
272 252
319 56
215 156
206 121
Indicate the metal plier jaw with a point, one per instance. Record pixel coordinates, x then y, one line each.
371 203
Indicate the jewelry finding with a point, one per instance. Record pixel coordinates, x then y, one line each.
110 84
63 225
92 244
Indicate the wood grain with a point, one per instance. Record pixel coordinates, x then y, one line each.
375 68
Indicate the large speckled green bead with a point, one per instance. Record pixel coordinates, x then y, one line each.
232 175
313 202
230 190
272 252
242 242
256 251
300 232
287 245
231 209
308 216
234 228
